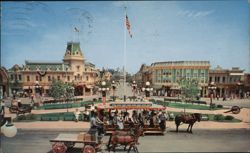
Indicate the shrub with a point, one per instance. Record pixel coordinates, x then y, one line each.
229 117
213 106
219 106
21 117
151 100
166 103
218 117
204 117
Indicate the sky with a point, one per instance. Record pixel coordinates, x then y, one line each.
215 31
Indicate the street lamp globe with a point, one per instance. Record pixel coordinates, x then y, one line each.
107 89
143 89
103 83
133 82
9 130
147 83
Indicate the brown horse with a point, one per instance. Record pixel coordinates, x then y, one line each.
126 139
187 119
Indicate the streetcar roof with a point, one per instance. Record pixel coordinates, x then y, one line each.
131 105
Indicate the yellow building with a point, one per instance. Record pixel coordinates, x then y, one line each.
74 69
164 76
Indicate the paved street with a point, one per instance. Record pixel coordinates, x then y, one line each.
201 140
120 91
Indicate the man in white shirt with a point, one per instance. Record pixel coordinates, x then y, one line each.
77 114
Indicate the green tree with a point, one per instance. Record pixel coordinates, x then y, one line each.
57 89
69 91
61 91
189 89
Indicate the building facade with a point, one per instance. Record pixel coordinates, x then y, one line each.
143 75
228 82
73 69
166 75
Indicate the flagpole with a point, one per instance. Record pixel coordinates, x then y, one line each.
124 53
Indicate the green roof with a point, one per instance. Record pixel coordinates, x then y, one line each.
53 66
74 48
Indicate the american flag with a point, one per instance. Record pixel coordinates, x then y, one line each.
128 26
76 30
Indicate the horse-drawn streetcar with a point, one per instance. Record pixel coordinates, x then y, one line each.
130 107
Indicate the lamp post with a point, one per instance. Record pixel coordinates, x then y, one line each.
211 89
113 87
103 91
147 89
37 91
134 86
69 94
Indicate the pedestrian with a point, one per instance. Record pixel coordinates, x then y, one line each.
32 98
86 115
162 121
120 122
77 114
96 127
2 108
224 97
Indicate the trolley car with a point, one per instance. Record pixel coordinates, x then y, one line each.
132 106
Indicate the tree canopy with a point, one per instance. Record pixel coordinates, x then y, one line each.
60 90
189 89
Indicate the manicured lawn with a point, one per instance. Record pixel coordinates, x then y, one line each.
191 106
67 116
212 117
66 105
184 105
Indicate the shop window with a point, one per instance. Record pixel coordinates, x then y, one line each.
19 77
49 78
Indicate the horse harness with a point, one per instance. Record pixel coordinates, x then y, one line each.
187 118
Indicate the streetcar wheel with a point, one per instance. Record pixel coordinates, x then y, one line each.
235 109
88 149
59 148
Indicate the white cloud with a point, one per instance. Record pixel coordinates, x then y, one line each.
195 14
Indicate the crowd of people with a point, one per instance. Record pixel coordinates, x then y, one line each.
119 118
